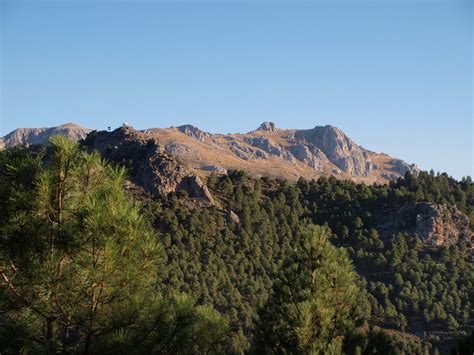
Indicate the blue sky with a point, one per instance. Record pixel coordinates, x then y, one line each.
396 76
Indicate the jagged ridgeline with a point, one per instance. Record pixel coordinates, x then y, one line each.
266 151
230 238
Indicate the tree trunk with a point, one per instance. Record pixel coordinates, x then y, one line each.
51 335
88 343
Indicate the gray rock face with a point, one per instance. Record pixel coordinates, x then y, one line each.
195 188
31 136
311 156
183 151
435 224
390 176
244 152
149 166
215 168
338 148
268 146
194 132
400 167
267 127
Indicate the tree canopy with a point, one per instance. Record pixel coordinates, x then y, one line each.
80 264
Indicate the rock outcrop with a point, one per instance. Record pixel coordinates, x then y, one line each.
32 136
232 217
268 146
195 188
215 168
245 152
267 127
400 167
149 165
338 148
435 224
311 156
194 132
183 151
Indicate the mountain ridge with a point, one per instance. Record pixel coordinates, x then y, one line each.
266 151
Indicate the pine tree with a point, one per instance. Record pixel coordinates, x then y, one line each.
80 266
79 262
315 302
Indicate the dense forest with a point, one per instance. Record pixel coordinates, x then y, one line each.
271 267
424 291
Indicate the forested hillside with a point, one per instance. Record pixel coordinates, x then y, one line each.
415 288
317 266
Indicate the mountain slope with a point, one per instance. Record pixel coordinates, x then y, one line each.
289 154
266 151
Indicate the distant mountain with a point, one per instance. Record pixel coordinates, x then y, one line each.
31 136
266 151
290 154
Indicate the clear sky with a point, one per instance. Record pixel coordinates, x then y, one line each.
396 76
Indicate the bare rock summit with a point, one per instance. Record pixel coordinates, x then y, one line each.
268 127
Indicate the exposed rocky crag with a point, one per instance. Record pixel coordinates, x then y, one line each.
268 146
338 148
311 156
195 188
435 224
401 167
32 136
266 151
245 152
194 132
268 127
149 165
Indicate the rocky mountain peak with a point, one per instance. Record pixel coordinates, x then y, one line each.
267 127
338 148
